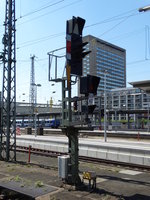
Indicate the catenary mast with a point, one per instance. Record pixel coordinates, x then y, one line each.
8 126
32 91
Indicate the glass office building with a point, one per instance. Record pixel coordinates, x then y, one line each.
105 58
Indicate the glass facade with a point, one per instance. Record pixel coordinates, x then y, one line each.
105 57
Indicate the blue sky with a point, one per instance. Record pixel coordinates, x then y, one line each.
41 28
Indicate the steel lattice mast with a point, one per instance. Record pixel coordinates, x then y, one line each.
32 82
8 132
32 92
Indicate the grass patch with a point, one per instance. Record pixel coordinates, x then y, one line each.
17 178
39 184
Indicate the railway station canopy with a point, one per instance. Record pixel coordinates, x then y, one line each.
143 85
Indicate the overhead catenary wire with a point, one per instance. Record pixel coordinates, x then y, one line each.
39 40
138 61
114 18
114 26
134 62
128 34
57 35
117 17
130 63
45 6
40 9
50 12
28 43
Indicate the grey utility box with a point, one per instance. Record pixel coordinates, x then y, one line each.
63 162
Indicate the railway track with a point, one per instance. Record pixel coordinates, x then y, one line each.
139 134
53 154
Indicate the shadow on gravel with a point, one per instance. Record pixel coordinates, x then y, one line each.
137 197
101 192
114 178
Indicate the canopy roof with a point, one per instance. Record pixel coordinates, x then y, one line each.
143 85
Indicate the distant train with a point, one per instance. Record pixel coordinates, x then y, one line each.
51 123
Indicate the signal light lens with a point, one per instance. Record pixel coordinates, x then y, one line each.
89 84
68 46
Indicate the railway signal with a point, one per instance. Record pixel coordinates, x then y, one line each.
89 84
75 106
74 55
74 45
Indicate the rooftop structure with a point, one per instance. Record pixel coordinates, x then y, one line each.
143 85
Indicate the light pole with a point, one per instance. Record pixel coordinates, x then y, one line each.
23 94
105 131
35 105
36 85
51 97
116 119
148 116
60 103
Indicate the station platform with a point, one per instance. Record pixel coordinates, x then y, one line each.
119 150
